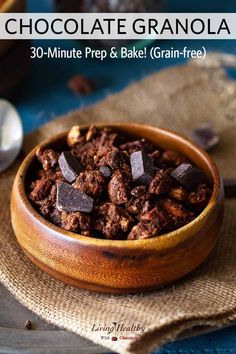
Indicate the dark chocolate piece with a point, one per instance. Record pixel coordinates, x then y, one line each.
230 187
70 166
105 171
188 176
28 325
142 167
81 85
71 199
205 137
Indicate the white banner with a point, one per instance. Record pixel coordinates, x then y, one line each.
118 26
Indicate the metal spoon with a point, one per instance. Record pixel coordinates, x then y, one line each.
11 134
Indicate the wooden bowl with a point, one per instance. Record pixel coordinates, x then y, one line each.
113 266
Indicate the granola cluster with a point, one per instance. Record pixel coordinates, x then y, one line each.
108 186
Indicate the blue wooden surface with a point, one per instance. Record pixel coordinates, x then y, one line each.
44 95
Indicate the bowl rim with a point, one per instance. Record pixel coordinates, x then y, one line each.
163 241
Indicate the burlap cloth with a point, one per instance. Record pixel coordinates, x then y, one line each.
178 98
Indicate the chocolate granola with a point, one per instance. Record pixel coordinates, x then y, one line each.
112 187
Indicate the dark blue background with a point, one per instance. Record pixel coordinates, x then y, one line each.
44 95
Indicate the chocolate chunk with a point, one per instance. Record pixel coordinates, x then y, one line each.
205 137
177 213
178 193
91 182
199 198
113 157
173 158
230 187
71 199
105 171
40 189
155 155
188 176
112 220
76 222
142 231
137 145
156 216
81 85
28 325
139 191
136 204
142 167
117 189
161 183
70 166
48 158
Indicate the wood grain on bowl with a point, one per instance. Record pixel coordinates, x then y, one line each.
118 266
